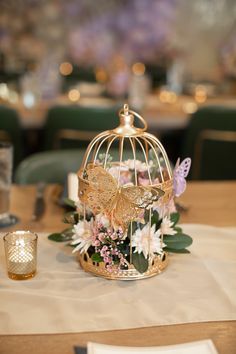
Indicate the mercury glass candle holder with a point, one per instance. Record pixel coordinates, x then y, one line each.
21 254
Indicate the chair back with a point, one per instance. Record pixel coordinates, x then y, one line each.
53 166
49 166
10 130
211 143
75 126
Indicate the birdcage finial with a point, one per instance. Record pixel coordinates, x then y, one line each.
127 127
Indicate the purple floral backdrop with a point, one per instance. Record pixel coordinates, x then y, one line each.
94 33
137 30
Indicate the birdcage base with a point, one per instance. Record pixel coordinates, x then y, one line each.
156 265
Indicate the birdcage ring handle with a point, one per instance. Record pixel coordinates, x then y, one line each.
127 111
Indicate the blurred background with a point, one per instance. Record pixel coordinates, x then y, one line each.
171 60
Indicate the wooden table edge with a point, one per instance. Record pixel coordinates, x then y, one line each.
222 333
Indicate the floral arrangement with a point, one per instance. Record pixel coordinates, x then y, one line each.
105 242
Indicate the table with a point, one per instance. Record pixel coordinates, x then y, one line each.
160 116
209 203
164 116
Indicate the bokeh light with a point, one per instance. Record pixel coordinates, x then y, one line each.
66 68
74 95
138 69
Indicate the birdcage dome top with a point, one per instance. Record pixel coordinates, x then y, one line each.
131 145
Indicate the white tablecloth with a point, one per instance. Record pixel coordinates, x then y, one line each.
195 287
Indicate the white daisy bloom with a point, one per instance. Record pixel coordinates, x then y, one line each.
147 241
166 227
82 236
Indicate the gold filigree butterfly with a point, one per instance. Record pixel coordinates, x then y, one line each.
122 204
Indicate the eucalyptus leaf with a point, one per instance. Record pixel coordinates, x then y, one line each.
178 229
140 262
59 237
96 257
69 202
68 232
172 250
146 215
174 217
155 218
177 241
72 217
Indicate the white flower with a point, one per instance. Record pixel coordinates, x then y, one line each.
82 236
166 208
122 174
140 166
102 219
116 170
147 241
166 227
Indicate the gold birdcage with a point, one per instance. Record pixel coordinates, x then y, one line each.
125 175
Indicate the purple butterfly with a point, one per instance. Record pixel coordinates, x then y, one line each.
180 173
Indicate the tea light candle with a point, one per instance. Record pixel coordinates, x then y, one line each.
20 259
20 249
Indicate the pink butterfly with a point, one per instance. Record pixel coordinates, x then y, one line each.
180 173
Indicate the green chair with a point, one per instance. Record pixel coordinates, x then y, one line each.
211 143
48 166
10 130
53 166
75 126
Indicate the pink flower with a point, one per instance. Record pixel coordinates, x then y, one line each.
109 268
114 236
102 221
143 181
165 209
101 237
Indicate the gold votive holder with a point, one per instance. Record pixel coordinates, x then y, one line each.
21 254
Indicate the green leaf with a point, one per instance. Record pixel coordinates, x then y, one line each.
59 237
105 157
68 232
69 202
65 235
96 257
146 215
172 250
70 245
72 217
174 217
140 262
177 241
155 218
178 229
